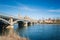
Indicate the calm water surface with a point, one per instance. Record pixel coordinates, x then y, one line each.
40 32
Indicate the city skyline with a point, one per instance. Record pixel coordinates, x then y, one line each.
33 8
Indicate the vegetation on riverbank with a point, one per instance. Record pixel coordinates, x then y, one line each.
12 36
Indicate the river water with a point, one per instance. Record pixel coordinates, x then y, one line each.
39 31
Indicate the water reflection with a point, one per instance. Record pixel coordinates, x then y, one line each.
41 32
37 32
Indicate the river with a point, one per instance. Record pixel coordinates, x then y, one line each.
39 32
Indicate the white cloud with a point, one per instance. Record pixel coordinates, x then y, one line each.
27 8
57 10
8 6
20 6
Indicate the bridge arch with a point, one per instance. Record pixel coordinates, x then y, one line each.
5 21
20 24
29 23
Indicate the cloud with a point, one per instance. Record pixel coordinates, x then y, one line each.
57 10
8 6
19 6
25 7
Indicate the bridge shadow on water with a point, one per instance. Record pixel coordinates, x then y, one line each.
21 24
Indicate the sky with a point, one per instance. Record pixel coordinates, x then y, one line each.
36 9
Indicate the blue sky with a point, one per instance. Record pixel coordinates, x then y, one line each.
36 9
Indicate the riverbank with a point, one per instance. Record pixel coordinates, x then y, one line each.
12 36
48 23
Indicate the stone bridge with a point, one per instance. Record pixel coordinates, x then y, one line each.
10 21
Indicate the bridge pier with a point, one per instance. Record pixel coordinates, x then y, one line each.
25 23
11 23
